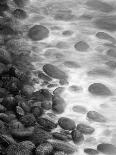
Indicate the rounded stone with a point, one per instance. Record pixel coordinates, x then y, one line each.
21 3
105 36
71 64
79 109
111 53
81 46
44 149
19 14
38 33
91 151
85 129
96 117
66 123
54 72
77 136
106 148
99 89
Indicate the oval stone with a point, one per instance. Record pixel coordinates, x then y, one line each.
38 33
107 148
81 46
66 123
85 129
99 89
91 151
77 136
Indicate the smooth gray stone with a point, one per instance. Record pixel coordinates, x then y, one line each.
81 46
99 89
85 129
106 23
91 151
100 6
96 117
106 148
111 52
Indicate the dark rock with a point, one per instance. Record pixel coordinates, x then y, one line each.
111 53
3 1
44 77
15 124
37 112
3 129
40 136
77 136
4 7
52 85
54 72
85 129
5 56
63 146
99 5
91 151
21 3
106 23
81 46
19 111
63 82
107 148
60 136
46 123
60 153
58 104
38 33
99 89
44 149
67 33
105 36
28 120
27 90
14 149
79 109
111 64
28 144
47 105
7 30
2 109
9 102
3 92
58 91
96 117
66 123
7 140
4 117
19 14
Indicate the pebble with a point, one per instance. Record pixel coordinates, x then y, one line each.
99 5
28 144
81 46
66 123
60 136
77 136
111 53
54 72
63 146
99 89
28 120
85 129
105 36
58 91
47 105
44 149
106 23
38 33
21 3
79 109
19 14
58 104
71 64
91 151
107 148
44 77
67 33
96 117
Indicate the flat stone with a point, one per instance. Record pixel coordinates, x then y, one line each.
105 36
58 104
85 129
81 46
71 64
99 89
79 109
54 72
106 23
38 33
107 148
96 117
91 151
100 6
66 123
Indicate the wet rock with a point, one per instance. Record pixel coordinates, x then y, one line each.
14 149
62 45
66 123
63 82
3 129
28 144
47 105
96 117
46 123
58 91
4 117
54 72
27 90
52 85
111 64
99 5
38 33
37 112
9 102
79 109
3 1
60 136
85 129
99 89
5 56
105 36
77 136
106 23
21 3
63 146
19 111
19 14
40 136
60 153
3 92
2 109
107 148
4 7
67 33
91 151
81 46
15 124
111 53
28 120
44 149
71 64
6 29
44 77
58 104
